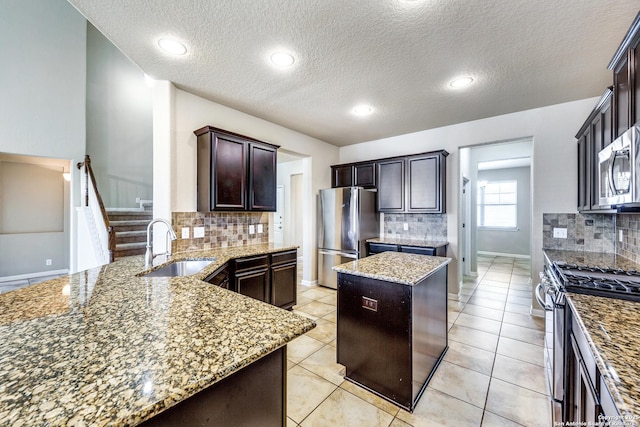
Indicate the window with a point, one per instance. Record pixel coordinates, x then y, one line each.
497 204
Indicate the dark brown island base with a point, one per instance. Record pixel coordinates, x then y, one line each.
392 323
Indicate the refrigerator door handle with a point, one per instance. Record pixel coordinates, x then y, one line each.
343 254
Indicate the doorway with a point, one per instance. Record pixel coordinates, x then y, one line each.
495 202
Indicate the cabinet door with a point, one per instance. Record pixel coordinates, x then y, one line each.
262 178
424 184
584 204
254 284
229 174
283 285
391 186
365 175
341 176
622 97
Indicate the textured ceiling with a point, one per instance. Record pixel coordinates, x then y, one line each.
396 55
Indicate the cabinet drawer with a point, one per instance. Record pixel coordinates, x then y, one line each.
376 248
249 263
418 250
284 257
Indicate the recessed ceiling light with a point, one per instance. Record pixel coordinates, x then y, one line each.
362 110
172 46
282 59
461 82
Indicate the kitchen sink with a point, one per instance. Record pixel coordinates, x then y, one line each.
179 268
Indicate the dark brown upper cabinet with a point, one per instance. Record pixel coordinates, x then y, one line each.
361 174
595 134
235 172
625 65
413 184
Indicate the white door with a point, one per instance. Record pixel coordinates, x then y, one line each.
278 223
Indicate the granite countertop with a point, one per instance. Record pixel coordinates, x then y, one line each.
398 267
409 242
592 259
612 329
106 347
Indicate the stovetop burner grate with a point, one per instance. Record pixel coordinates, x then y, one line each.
600 281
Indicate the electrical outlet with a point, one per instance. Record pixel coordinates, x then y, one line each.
405 226
198 232
260 228
252 229
620 235
48 261
560 233
185 232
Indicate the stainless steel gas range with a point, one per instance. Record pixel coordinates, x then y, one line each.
583 277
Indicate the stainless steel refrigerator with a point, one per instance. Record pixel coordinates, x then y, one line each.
346 218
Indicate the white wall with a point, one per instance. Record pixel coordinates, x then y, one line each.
184 112
42 111
553 161
119 124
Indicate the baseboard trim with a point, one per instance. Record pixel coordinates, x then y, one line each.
309 282
536 312
32 275
504 254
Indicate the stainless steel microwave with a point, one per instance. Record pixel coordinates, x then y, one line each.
619 171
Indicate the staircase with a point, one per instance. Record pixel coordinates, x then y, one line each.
131 230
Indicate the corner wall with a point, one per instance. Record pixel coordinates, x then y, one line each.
42 113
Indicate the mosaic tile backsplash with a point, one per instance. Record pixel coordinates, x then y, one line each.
629 247
221 229
585 232
421 226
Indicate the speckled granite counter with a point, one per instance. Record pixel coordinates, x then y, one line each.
105 347
612 328
398 267
409 242
609 260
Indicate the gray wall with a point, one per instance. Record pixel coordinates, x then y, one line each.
42 110
515 242
119 123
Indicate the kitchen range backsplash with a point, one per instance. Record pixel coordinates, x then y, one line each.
585 232
421 226
629 226
221 229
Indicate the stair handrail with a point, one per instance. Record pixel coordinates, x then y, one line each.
90 178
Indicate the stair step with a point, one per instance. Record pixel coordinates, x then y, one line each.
132 225
127 246
128 252
131 236
130 215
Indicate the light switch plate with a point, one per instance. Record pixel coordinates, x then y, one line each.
198 232
620 235
405 226
260 229
252 229
185 232
560 233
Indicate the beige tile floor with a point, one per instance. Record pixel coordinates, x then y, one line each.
492 374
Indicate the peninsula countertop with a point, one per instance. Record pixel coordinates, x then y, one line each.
107 347
397 267
612 329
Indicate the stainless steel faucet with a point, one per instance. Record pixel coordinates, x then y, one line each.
149 255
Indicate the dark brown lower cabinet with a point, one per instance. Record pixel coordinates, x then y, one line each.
583 381
254 396
284 277
391 336
271 278
251 277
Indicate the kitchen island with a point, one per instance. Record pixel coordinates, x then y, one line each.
108 347
392 323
